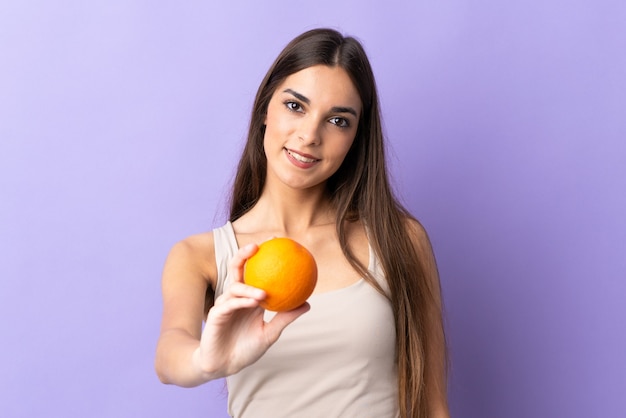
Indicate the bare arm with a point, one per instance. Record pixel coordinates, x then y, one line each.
184 284
436 355
234 335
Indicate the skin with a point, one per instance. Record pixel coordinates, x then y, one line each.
311 123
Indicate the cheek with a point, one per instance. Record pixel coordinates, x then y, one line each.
270 129
275 125
346 144
275 136
267 139
341 155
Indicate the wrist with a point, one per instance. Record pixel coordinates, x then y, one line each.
203 369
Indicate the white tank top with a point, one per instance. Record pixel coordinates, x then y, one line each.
337 360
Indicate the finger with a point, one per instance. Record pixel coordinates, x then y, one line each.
235 266
280 321
241 290
229 307
232 305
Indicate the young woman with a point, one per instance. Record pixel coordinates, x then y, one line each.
370 341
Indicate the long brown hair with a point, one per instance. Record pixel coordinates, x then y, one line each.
359 190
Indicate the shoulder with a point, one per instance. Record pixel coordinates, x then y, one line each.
421 243
195 247
194 256
188 278
416 232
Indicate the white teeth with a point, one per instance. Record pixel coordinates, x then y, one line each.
301 158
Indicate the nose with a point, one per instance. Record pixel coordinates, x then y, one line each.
308 131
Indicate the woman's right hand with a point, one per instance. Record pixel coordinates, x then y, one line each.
235 334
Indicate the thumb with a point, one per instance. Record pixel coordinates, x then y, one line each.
279 322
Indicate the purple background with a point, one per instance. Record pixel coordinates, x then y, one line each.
121 122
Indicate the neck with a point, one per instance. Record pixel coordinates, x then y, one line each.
291 212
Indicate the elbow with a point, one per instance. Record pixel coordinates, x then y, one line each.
175 367
168 375
160 372
163 379
163 367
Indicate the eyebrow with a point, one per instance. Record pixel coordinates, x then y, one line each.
336 109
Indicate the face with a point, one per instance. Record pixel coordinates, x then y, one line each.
311 122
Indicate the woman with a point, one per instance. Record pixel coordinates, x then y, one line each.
370 342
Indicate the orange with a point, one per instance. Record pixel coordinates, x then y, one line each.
285 270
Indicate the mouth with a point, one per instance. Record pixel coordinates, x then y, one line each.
303 158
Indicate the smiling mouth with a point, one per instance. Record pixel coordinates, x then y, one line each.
301 158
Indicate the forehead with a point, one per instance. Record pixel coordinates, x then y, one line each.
323 85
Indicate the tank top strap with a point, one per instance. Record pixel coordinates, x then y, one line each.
376 268
226 247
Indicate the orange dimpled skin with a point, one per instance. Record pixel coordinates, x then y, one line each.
285 270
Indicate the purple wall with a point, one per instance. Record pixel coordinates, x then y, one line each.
121 121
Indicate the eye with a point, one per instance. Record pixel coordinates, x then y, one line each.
340 122
293 106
